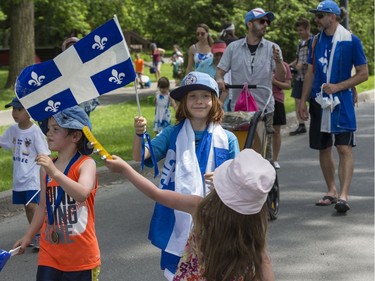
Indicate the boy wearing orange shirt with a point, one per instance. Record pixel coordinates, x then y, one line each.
139 66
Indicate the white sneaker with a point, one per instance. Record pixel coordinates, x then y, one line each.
276 165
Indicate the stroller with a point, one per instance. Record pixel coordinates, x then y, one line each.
250 130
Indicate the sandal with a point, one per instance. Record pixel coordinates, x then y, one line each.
326 201
342 206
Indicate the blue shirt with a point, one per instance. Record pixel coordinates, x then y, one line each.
356 58
207 66
160 144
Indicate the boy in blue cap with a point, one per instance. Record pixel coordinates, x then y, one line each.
26 141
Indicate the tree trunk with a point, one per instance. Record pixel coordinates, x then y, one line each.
22 41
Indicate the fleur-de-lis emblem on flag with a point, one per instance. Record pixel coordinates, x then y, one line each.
52 106
37 80
116 77
100 42
100 61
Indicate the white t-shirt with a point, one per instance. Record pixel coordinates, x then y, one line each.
26 145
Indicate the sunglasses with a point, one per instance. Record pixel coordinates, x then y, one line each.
263 21
320 15
201 33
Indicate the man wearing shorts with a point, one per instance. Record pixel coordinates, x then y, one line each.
328 87
299 65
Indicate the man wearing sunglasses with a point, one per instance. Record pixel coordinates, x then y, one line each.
253 59
328 86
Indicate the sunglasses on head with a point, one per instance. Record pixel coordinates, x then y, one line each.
320 15
263 21
201 33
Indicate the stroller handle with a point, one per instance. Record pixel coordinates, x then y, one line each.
269 90
229 86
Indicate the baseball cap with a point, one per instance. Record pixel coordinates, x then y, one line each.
328 6
258 13
68 42
15 103
218 47
195 81
72 118
243 183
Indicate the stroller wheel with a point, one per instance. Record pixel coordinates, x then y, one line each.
273 200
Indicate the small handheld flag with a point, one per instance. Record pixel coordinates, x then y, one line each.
95 65
5 256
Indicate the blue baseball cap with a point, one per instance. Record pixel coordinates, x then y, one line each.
328 6
258 13
15 103
195 81
72 118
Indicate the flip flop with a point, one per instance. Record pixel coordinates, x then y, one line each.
342 206
331 200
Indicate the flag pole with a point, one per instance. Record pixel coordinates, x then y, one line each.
136 96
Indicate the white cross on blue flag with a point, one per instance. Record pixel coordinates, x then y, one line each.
97 64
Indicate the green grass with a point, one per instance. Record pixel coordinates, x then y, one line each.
6 167
117 135
113 125
6 95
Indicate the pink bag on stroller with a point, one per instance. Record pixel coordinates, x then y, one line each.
246 101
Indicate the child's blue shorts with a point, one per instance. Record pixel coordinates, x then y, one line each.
22 197
46 273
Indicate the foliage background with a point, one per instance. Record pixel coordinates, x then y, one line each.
169 22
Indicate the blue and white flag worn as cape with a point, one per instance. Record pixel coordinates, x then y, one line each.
338 113
97 64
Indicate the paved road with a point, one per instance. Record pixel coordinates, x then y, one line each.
306 242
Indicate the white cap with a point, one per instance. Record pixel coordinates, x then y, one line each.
243 183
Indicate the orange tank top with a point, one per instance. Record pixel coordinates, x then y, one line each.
70 243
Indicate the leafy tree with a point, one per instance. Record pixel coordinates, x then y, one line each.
164 22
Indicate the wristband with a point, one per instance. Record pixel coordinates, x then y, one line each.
140 135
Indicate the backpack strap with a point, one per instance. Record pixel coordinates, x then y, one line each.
312 55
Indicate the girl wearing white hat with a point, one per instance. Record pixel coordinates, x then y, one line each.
228 240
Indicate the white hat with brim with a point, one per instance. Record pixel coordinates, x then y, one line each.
243 183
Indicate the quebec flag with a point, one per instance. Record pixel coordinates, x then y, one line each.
97 64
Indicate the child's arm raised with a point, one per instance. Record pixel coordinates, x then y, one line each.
171 199
80 190
140 127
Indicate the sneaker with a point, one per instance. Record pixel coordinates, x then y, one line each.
298 131
276 165
36 243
